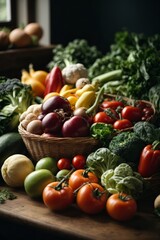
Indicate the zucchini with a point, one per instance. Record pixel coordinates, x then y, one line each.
11 143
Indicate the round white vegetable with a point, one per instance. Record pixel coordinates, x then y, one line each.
73 72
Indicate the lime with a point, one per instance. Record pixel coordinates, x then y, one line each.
36 181
47 163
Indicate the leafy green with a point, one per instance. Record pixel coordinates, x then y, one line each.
103 132
76 51
15 98
154 96
138 57
128 146
101 160
123 179
148 132
6 194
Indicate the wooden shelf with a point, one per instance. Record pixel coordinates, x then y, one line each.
14 60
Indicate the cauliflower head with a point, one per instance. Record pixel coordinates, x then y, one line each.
73 72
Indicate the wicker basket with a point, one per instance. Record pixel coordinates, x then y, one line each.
132 102
154 183
40 146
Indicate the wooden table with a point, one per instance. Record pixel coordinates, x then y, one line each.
32 219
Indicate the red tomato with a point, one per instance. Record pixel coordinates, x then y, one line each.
81 176
91 198
57 197
79 161
108 116
121 207
134 114
111 104
64 163
122 124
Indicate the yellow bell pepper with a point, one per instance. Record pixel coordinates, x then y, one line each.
36 79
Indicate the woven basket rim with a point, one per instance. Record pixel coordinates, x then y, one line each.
32 136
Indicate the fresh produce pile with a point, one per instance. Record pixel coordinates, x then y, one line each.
20 37
130 68
66 103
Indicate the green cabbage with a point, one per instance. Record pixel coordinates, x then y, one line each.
101 160
123 179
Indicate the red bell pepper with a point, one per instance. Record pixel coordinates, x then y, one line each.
149 163
54 81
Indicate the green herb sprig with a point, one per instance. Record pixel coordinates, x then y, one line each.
6 194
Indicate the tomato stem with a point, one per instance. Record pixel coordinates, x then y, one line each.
124 197
77 189
59 185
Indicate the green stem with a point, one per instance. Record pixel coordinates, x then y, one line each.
59 185
156 145
94 107
106 77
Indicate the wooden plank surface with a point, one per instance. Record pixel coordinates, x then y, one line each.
72 223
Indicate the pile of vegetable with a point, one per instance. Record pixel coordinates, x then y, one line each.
76 102
21 37
136 57
15 98
130 68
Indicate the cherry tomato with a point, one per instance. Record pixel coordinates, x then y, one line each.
64 163
121 207
81 176
57 197
122 124
111 104
91 198
79 161
134 114
108 116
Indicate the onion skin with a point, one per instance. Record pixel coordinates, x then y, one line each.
76 126
34 29
19 38
4 40
80 112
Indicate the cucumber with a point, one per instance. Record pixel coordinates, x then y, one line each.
11 143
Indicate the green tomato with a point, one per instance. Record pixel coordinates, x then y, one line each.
36 181
47 163
61 174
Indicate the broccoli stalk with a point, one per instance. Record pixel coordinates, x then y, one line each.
15 98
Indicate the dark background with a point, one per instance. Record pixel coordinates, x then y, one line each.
98 20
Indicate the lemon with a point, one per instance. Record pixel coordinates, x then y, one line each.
47 163
15 169
36 181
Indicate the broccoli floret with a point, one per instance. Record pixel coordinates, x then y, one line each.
128 146
15 98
